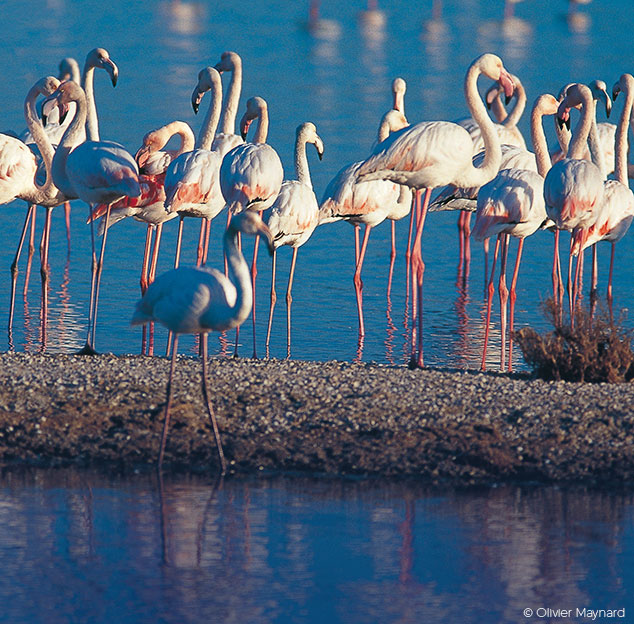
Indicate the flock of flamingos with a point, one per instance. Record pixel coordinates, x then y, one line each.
471 165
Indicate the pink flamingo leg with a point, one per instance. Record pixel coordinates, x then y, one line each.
67 220
392 258
146 259
87 348
29 258
555 279
461 242
229 215
168 403
151 278
609 294
201 243
99 272
273 301
485 246
177 258
467 247
504 296
408 256
210 410
289 301
594 282
513 297
14 265
416 211
358 282
45 272
254 272
420 271
207 235
569 285
490 290
235 351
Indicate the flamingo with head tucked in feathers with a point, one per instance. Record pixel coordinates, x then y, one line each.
432 154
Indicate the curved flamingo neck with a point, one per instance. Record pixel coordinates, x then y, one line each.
477 176
301 160
210 123
184 132
498 110
539 137
518 106
582 129
621 168
594 143
239 271
262 130
72 136
228 121
92 123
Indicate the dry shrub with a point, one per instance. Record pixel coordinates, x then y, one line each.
596 350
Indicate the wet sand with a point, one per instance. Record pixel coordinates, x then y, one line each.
331 417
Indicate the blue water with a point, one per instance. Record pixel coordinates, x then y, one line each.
340 82
84 547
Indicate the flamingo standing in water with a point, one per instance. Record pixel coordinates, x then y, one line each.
94 171
509 135
191 180
365 203
294 217
573 188
198 300
432 154
617 209
19 169
251 175
512 204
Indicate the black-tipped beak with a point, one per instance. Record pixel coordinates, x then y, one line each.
507 99
244 128
197 97
560 122
113 71
616 89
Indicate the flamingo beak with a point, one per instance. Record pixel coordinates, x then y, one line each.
197 97
506 82
142 155
319 144
264 231
616 89
113 71
563 116
244 127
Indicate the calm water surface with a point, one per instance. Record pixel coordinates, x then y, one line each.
84 547
341 81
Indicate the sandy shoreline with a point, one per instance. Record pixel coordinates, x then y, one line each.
330 417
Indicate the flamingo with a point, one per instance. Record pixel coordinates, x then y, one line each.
509 134
294 216
191 180
512 204
94 171
19 171
198 300
432 154
573 188
617 209
251 175
365 203
227 139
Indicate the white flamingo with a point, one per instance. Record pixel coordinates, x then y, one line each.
432 154
192 186
199 300
293 218
573 188
512 204
94 171
251 175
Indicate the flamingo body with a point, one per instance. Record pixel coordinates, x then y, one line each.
18 167
294 215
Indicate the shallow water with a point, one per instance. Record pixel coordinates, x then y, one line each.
82 546
341 81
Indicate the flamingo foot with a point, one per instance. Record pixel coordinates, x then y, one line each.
87 350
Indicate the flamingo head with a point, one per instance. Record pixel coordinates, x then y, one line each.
399 86
227 62
575 96
208 79
153 141
256 106
250 222
600 92
308 133
625 83
67 92
99 58
69 69
491 65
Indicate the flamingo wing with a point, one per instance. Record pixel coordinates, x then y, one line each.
294 214
18 167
